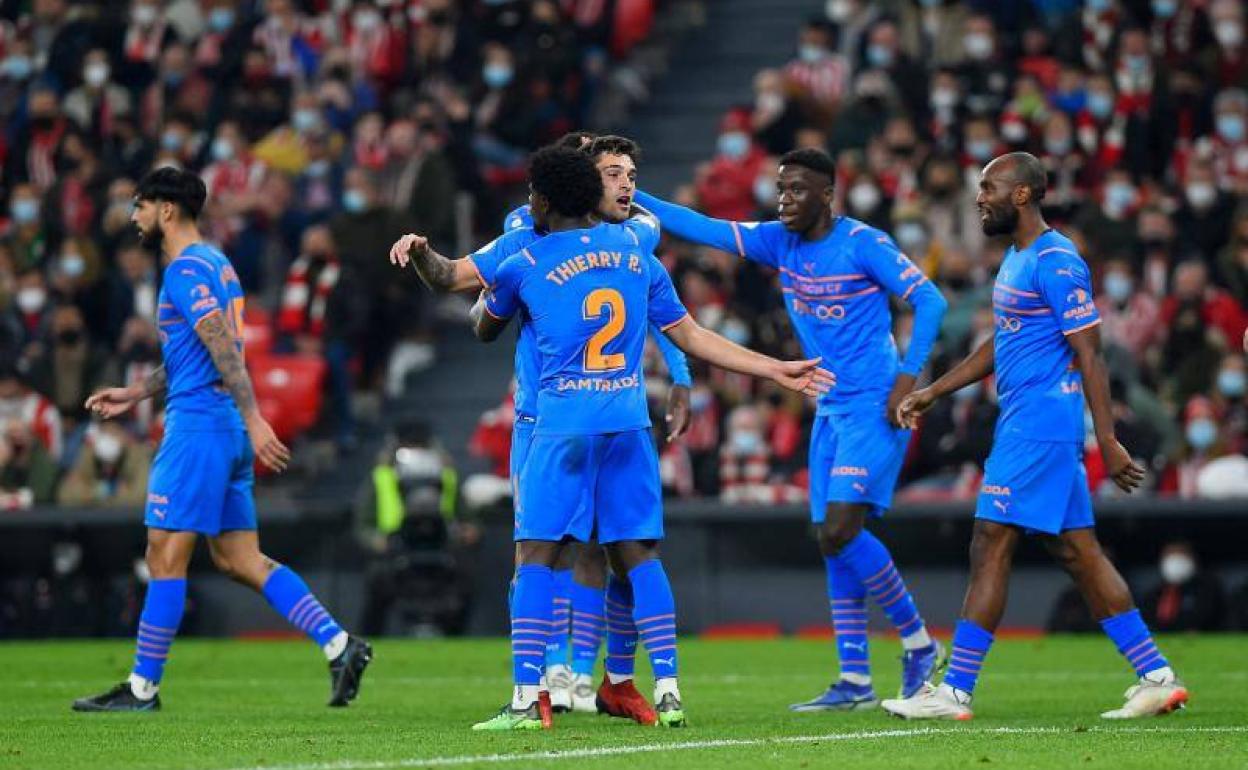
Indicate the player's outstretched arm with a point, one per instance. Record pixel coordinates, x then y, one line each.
801 376
436 271
223 347
485 324
973 368
111 402
1087 345
692 226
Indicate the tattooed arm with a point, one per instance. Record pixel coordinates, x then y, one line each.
436 271
223 347
111 402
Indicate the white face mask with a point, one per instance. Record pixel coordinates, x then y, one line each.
864 197
1201 195
1229 33
144 15
839 10
1177 568
96 74
108 448
31 299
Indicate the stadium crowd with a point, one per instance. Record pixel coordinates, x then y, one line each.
1139 111
322 128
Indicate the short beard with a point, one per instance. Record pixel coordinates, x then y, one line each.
1004 224
152 239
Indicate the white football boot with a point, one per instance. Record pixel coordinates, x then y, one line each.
932 702
1151 698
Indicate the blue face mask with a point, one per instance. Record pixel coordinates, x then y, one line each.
747 443
497 75
354 201
171 141
1231 127
17 67
221 19
1201 433
1136 63
1232 383
222 149
24 210
1100 104
811 53
1119 196
734 144
980 149
305 120
879 56
1165 8
1099 6
317 169
1118 287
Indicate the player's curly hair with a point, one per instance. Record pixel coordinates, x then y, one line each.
811 158
611 144
575 140
567 178
182 188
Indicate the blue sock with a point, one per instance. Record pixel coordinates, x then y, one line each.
654 612
970 647
557 645
621 630
531 612
158 625
1133 640
588 624
848 598
290 596
867 557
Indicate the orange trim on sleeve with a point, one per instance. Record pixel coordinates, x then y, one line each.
1078 329
493 315
206 316
480 278
675 323
736 233
914 286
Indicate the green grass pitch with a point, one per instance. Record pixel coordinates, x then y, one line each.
235 705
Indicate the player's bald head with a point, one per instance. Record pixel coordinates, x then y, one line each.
1020 169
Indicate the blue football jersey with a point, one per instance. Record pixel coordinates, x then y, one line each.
1042 294
198 283
491 256
836 291
589 296
518 218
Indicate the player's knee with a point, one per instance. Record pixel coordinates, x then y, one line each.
164 561
224 564
838 531
590 568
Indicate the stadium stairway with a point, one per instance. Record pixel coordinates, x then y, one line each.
711 70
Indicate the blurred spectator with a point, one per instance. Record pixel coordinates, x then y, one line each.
111 470
1216 308
726 187
72 365
934 32
1130 315
22 406
98 101
419 183
27 472
1204 220
745 459
1188 598
817 79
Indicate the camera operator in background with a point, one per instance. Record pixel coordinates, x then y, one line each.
407 521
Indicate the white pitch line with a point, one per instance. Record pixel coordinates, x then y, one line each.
652 748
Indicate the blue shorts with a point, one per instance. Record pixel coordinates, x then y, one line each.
1040 486
202 481
855 458
572 483
521 442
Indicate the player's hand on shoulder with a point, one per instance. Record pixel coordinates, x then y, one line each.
912 405
804 377
1121 468
404 248
110 402
270 451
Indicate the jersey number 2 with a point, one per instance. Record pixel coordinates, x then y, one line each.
595 359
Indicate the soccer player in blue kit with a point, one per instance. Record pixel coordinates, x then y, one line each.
582 592
588 290
836 274
1046 354
202 476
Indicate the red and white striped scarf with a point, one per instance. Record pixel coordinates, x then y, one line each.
303 309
